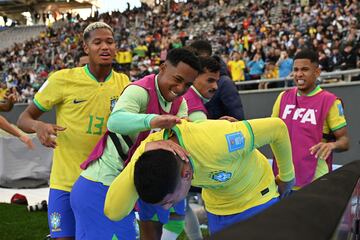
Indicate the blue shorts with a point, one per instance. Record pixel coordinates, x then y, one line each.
149 211
87 201
217 222
60 215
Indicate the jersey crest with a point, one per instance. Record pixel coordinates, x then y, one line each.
235 141
113 101
221 176
55 221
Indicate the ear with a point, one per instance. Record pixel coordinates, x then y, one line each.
186 172
317 72
163 67
86 48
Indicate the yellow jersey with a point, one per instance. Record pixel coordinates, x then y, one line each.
234 175
237 70
3 93
123 57
83 106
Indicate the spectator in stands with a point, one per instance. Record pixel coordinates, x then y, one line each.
83 60
27 94
7 99
315 120
226 101
3 90
256 66
285 65
236 67
324 61
321 26
228 172
83 108
269 73
350 58
124 59
335 59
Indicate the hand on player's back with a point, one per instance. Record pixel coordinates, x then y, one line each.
164 121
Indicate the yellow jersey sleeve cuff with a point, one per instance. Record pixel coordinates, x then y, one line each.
339 127
286 177
39 106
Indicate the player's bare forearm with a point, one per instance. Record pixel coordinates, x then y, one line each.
28 119
342 140
27 123
323 150
6 126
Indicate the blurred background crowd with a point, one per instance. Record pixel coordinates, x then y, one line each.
256 39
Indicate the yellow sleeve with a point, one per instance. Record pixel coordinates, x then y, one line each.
336 117
273 131
276 107
122 195
51 92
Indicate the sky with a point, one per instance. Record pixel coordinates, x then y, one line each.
105 6
110 5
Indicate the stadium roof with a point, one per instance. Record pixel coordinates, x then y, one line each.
14 8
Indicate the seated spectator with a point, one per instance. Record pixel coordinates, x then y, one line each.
349 54
270 73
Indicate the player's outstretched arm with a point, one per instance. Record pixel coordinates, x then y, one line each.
273 131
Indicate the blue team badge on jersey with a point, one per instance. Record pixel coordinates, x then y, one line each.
113 101
221 176
55 221
235 141
341 109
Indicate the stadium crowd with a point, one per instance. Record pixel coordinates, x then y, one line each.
257 40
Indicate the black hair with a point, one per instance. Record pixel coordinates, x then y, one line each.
210 64
308 54
177 55
202 47
156 174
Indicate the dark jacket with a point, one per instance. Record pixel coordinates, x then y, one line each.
226 101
